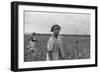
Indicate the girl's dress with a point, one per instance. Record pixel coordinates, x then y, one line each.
55 50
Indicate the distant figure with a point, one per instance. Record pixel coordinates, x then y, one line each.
55 50
32 43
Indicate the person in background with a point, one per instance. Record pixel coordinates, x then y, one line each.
32 44
55 50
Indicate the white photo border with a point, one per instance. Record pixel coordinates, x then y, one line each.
22 64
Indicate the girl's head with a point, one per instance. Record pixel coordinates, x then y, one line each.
55 29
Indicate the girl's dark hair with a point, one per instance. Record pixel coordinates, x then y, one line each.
52 28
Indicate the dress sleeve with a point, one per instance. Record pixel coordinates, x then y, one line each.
50 45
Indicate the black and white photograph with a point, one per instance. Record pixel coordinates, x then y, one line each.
53 36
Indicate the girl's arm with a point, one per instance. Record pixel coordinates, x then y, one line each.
50 45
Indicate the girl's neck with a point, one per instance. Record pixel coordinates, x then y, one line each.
55 35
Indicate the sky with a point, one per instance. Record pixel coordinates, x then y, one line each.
70 23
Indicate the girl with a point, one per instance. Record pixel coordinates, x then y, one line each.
55 49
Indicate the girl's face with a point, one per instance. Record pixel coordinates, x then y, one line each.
56 30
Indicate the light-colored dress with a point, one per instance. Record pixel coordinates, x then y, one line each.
32 44
55 48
